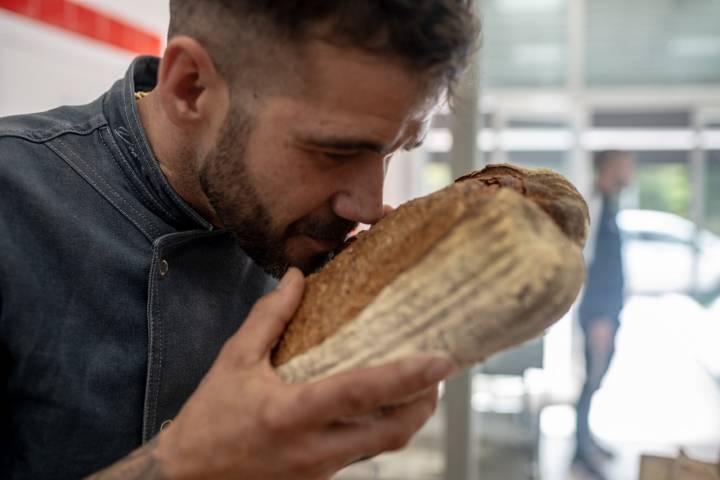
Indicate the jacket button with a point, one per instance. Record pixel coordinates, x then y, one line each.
163 267
165 424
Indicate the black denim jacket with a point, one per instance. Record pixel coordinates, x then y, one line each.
115 295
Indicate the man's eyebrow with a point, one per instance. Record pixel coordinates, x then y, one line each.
344 143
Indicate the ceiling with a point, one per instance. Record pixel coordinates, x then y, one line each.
627 43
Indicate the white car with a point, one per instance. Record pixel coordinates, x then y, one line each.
662 251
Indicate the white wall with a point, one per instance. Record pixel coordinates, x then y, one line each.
42 66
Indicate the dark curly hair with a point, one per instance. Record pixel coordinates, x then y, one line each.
436 37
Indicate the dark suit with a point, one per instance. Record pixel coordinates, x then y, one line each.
602 301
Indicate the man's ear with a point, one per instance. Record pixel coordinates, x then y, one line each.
190 88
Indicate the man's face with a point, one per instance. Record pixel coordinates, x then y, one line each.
625 170
296 177
621 171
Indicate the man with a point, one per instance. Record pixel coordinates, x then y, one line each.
137 232
603 298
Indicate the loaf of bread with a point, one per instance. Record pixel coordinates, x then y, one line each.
484 264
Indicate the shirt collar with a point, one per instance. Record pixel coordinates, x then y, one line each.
140 164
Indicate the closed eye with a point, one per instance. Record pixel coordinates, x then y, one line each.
340 155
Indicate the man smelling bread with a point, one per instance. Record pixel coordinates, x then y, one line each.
141 236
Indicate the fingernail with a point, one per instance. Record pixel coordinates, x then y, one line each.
285 280
439 369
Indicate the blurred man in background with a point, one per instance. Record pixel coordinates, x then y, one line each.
604 296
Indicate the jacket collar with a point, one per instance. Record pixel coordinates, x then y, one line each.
140 164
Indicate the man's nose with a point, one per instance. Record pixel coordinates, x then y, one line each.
360 198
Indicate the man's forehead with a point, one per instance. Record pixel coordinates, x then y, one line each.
338 69
353 97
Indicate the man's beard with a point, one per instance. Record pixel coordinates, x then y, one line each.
227 183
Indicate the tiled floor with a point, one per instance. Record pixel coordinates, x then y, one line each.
657 397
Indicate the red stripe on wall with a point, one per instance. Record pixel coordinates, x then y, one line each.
89 23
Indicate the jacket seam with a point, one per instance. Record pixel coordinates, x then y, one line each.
156 330
23 134
154 358
102 192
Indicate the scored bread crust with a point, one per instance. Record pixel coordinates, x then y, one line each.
547 189
343 288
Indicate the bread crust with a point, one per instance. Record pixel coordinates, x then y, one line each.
549 190
340 291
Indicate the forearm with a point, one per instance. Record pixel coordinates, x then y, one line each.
142 464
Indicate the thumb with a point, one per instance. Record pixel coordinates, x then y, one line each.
268 317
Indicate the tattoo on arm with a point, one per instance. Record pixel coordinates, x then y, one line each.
139 465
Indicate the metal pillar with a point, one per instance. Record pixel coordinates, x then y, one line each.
581 171
499 125
698 161
461 452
